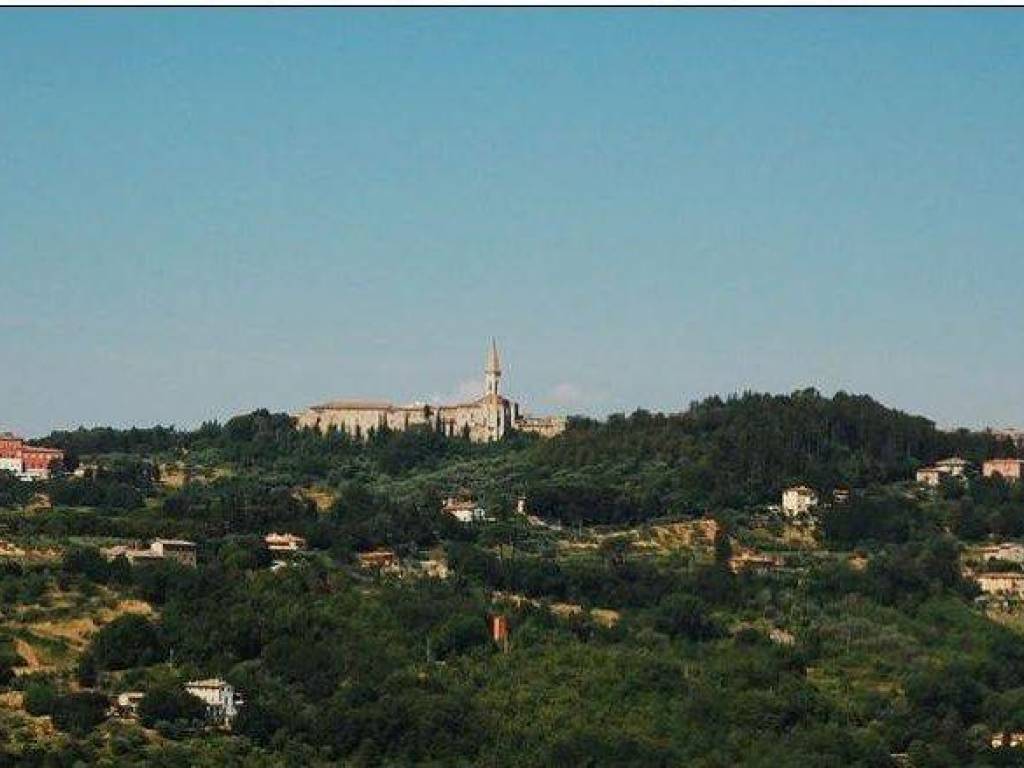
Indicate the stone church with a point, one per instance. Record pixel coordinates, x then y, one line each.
485 419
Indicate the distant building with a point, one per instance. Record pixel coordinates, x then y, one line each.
1008 469
28 462
219 697
284 542
798 500
1016 435
464 510
176 549
840 495
952 467
382 559
1014 740
126 705
1010 551
1003 584
754 562
432 569
159 550
484 419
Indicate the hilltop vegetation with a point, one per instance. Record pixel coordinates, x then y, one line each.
628 646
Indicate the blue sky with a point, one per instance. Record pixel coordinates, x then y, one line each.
203 212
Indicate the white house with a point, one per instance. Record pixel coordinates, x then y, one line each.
284 542
798 500
127 704
951 467
465 510
219 696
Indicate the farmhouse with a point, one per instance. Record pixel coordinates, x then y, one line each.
465 510
951 467
178 550
1009 551
284 542
1008 469
127 704
219 697
1005 583
382 559
28 462
798 500
754 562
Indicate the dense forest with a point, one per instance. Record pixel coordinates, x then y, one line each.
634 640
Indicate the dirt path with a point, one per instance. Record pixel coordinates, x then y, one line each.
28 653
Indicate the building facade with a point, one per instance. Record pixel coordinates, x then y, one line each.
798 500
485 419
284 542
28 462
1008 469
954 467
179 550
221 701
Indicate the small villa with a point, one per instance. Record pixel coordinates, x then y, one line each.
952 467
221 701
380 559
1008 469
464 510
798 500
284 542
179 550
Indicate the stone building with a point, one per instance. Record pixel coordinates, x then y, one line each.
954 467
181 551
1016 435
222 703
1008 469
284 542
485 419
798 500
465 510
1003 583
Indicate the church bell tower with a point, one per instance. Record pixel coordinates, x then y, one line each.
492 372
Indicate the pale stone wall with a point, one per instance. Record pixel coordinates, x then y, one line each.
798 500
361 419
1008 469
486 419
545 426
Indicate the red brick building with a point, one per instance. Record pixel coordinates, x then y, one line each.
28 462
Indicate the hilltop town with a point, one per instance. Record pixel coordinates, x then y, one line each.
759 578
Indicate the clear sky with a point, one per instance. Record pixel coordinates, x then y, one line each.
204 212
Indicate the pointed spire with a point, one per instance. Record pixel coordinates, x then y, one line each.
493 364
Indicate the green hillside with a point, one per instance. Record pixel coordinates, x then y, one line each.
638 635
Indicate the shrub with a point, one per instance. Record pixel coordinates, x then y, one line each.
170 705
78 713
128 641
